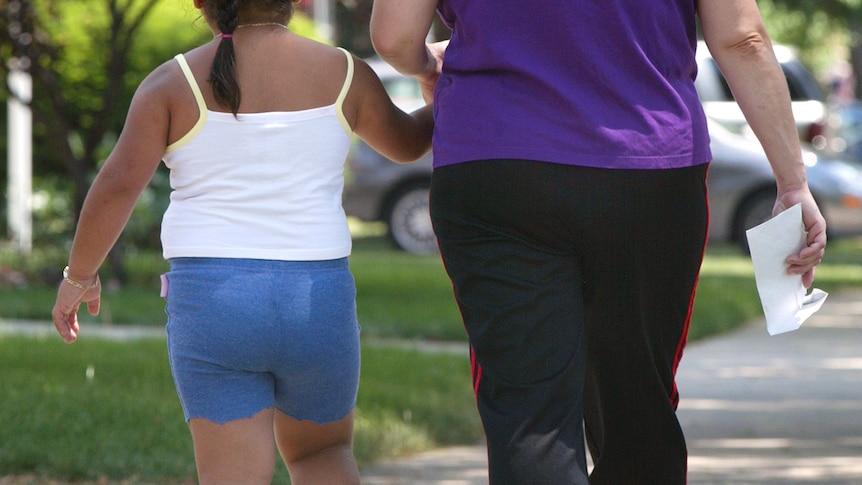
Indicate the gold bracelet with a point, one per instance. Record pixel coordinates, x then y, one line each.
75 283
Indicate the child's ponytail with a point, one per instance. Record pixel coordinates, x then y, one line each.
223 72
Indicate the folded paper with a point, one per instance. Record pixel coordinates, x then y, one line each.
785 302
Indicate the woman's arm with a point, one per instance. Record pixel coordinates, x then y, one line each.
737 39
398 31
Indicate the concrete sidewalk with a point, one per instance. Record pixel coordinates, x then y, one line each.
756 410
111 332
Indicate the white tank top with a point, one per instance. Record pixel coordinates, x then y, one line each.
261 185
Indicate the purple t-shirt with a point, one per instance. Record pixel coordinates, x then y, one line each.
598 83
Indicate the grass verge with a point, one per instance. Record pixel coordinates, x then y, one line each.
405 296
102 411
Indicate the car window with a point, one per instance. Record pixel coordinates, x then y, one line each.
725 88
403 88
405 92
803 86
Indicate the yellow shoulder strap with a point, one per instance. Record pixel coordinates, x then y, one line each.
199 97
348 79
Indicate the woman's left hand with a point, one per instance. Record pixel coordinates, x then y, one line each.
804 262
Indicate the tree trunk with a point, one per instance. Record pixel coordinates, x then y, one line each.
855 28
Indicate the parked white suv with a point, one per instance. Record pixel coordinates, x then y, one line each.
718 103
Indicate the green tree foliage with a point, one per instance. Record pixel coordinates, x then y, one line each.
86 60
837 9
815 34
87 57
826 31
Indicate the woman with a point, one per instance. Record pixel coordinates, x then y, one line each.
569 202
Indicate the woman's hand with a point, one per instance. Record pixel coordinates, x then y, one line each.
811 255
428 78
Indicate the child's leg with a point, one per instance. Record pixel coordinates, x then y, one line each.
241 451
315 453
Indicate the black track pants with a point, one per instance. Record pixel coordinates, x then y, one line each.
575 285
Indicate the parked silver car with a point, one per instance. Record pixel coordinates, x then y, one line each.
742 188
841 135
741 185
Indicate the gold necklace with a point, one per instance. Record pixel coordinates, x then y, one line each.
261 24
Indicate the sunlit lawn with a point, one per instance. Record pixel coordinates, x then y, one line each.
103 410
108 410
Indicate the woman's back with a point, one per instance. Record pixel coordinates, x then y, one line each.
566 84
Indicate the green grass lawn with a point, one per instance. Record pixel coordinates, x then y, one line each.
102 411
401 295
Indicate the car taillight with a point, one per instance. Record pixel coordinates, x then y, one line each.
816 129
851 202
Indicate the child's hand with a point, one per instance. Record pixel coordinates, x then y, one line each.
69 298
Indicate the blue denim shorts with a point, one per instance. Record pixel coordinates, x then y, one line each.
245 335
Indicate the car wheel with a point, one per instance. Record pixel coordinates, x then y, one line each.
409 221
754 210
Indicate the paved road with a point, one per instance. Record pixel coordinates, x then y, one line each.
756 409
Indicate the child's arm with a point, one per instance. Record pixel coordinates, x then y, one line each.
110 202
399 136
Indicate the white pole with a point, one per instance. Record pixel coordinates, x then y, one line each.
324 15
20 184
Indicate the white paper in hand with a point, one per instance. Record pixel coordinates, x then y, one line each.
783 297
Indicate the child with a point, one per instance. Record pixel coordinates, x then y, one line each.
262 332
